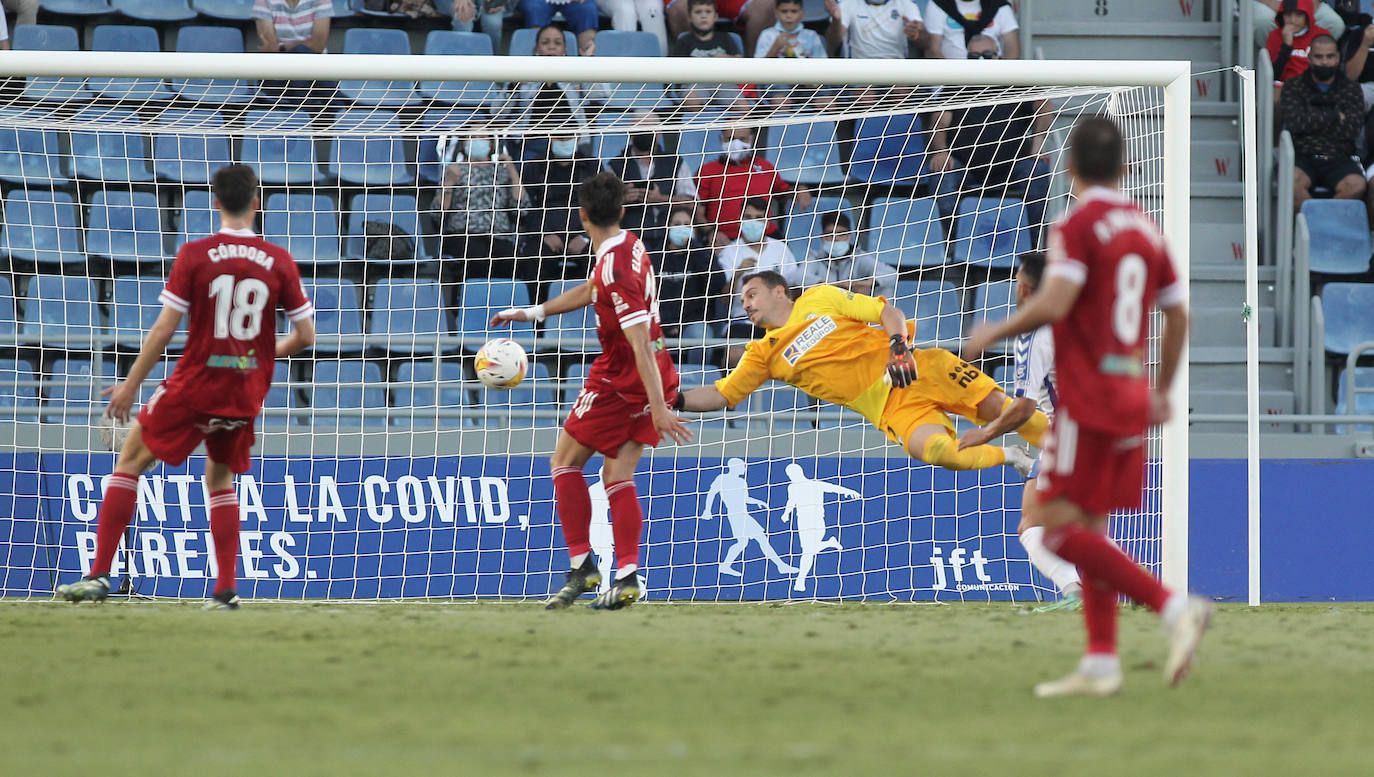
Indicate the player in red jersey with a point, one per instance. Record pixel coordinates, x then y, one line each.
1108 268
624 404
230 286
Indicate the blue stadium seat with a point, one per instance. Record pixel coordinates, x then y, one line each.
803 226
994 300
935 307
214 40
622 43
887 149
125 226
75 388
535 392
7 300
990 232
50 37
307 225
1364 403
160 372
282 394
522 42
155 10
60 309
805 153
225 10
361 40
574 380
690 355
610 145
17 403
409 314
371 160
696 147
111 155
414 395
337 312
450 43
437 123
481 299
191 157
1339 234
564 332
41 227
198 217
123 37
278 146
135 307
1003 374
399 210
76 7
327 395
906 232
690 376
773 405
1349 312
31 156
343 9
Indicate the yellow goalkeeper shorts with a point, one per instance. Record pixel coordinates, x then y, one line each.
945 384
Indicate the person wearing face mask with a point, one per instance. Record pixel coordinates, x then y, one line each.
552 230
724 184
751 252
837 261
481 200
1292 36
650 175
687 274
1324 112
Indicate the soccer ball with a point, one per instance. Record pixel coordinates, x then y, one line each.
502 364
113 432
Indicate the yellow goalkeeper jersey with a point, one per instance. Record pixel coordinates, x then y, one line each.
827 349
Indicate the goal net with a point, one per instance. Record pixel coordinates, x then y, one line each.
420 194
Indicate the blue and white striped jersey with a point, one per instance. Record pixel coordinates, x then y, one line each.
1034 372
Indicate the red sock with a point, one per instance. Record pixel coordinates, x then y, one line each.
116 510
224 526
627 522
1098 559
574 503
1099 615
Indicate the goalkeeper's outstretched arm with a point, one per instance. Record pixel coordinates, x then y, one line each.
701 400
572 299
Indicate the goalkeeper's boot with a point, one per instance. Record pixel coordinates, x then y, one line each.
1081 683
1072 602
622 593
89 588
224 600
1184 635
580 580
1020 459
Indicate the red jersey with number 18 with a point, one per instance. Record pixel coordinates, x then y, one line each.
1109 246
230 286
624 294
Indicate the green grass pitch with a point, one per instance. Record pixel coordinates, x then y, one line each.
668 689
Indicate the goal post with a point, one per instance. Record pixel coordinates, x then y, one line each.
384 469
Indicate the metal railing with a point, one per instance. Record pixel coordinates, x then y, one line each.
1284 303
1304 328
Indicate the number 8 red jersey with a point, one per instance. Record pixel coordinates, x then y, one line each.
1109 246
230 286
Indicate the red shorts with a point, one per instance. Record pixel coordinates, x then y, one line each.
171 430
604 421
726 9
1096 470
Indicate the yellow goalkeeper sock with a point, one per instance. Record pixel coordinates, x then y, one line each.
1033 430
942 450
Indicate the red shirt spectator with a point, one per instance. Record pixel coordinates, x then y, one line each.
725 183
1291 38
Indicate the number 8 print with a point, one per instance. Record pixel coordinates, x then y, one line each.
1130 298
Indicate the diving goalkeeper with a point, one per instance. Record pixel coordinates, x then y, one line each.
823 343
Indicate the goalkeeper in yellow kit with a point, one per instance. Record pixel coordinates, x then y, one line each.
824 344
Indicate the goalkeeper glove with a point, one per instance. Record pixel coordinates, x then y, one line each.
901 366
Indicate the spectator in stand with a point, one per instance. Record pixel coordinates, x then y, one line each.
4 33
992 150
650 175
723 185
550 104
704 40
1264 11
953 23
1359 65
480 200
294 26
1324 112
869 30
581 15
787 37
25 12
687 273
837 261
751 252
1291 38
493 18
752 15
552 227
645 14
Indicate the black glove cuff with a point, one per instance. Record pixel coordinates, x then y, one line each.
899 347
680 403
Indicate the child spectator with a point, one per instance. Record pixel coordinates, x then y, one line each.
752 15
481 199
493 18
704 40
788 38
295 26
869 30
838 262
952 23
687 274
1327 18
724 184
1289 42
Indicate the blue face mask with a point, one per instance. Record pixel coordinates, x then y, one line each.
836 248
479 149
563 149
752 230
680 235
778 26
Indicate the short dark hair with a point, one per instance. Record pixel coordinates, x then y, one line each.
829 220
688 209
235 186
1315 40
694 3
787 2
757 203
1032 263
602 196
540 32
771 278
1095 146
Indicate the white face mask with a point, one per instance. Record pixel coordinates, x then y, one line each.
737 150
752 229
836 248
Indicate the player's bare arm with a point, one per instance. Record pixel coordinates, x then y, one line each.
302 336
1171 340
122 394
701 400
572 299
1011 418
1049 304
647 366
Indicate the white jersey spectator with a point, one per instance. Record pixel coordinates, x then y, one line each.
948 38
1033 375
4 33
821 268
875 30
735 260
